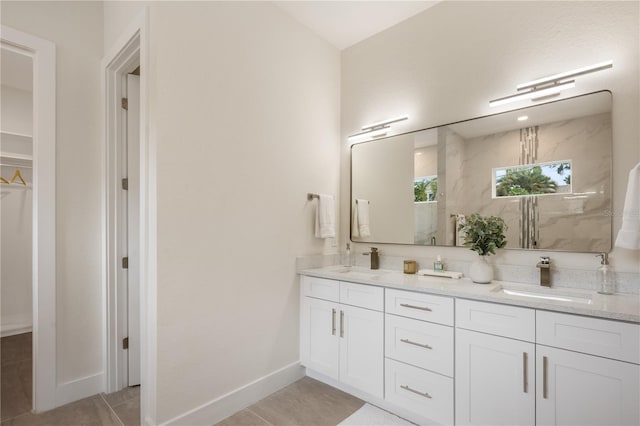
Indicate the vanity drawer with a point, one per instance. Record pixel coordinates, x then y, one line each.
420 306
427 394
501 320
320 288
607 338
423 344
364 296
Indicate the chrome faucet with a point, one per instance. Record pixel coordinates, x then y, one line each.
545 271
375 257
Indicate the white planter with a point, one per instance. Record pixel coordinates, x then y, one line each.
481 271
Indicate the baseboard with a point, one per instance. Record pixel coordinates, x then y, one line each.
78 389
220 408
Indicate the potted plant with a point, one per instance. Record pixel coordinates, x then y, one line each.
483 234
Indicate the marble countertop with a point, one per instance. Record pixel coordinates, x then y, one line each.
622 307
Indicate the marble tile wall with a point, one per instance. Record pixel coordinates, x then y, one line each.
577 221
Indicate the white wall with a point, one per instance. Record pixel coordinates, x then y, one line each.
76 29
244 108
387 183
17 110
446 63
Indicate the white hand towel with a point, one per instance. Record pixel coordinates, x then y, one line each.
629 234
326 217
360 226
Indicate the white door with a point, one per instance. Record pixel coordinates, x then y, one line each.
133 229
362 349
494 380
578 389
319 349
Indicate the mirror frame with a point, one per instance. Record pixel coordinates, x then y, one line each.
607 211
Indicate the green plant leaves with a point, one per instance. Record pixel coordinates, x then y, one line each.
484 234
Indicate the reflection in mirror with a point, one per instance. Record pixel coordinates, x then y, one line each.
547 175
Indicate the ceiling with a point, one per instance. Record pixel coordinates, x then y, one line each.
15 70
341 23
345 23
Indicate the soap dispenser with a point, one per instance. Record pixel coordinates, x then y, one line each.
605 276
347 259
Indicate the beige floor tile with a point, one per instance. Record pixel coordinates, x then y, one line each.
129 412
15 388
92 411
16 348
117 398
243 418
307 402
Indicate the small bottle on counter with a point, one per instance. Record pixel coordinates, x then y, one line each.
347 258
606 279
438 266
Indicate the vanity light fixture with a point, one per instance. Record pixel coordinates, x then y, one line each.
549 86
534 94
380 128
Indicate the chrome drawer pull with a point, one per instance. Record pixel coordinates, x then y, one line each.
422 308
545 380
525 378
425 394
341 323
333 321
416 343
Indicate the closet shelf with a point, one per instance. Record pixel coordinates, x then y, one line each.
16 135
16 160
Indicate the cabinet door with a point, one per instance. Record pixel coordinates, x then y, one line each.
494 380
578 389
362 349
319 345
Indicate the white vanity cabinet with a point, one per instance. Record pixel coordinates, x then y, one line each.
495 376
342 332
587 371
419 354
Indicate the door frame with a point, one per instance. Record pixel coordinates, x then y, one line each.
129 49
43 53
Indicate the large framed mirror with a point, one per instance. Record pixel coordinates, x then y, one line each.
546 170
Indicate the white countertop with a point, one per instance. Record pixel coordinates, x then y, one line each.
622 307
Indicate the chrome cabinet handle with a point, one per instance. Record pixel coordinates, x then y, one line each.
525 378
545 371
341 323
422 308
422 345
407 388
333 321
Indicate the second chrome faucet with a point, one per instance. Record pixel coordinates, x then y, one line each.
375 257
545 271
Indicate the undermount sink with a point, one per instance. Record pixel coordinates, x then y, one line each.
543 294
359 272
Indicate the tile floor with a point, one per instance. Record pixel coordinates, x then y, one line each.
115 409
306 402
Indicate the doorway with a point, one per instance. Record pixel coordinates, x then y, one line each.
16 214
123 258
28 154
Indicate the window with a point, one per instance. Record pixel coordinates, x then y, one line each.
532 179
425 188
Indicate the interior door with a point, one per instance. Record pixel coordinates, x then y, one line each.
133 228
